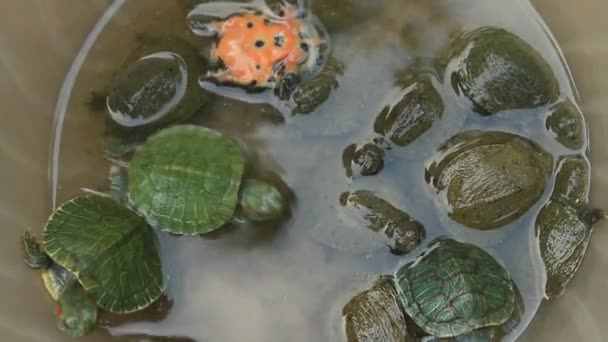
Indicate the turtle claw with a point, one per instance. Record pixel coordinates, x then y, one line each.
287 85
34 255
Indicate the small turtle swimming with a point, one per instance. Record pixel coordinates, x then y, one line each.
260 50
96 253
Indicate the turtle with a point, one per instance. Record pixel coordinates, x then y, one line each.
312 93
402 233
258 50
489 178
496 70
566 122
188 179
156 86
455 288
96 253
409 113
564 225
376 314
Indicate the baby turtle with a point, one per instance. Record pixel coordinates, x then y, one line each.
565 224
456 288
157 86
489 179
189 179
496 70
402 233
259 50
376 315
96 253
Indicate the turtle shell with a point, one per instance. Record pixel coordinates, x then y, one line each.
496 70
488 178
185 179
376 315
111 250
456 288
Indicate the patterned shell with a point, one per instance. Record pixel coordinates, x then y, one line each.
456 288
186 179
112 251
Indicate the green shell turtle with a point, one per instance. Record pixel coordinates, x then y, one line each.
456 288
96 253
188 179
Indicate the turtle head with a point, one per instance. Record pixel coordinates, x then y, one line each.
592 216
76 312
261 201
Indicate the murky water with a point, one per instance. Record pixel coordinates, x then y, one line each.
282 283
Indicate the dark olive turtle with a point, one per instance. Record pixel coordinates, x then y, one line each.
403 233
408 116
158 85
418 107
85 244
456 288
496 70
367 160
376 315
312 93
566 121
489 179
188 179
565 224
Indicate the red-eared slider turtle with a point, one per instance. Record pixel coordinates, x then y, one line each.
188 179
96 253
564 225
489 179
456 288
496 70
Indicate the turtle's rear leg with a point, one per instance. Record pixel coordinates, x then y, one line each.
34 255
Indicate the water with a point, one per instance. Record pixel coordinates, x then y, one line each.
283 284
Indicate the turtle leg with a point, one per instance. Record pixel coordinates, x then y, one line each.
34 255
209 29
76 312
261 201
118 184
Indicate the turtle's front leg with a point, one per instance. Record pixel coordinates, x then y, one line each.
221 76
209 29
34 255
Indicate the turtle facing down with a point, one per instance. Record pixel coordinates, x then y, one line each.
96 253
189 180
